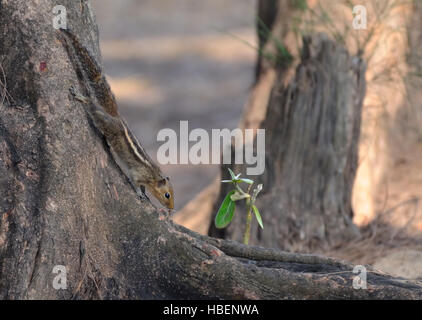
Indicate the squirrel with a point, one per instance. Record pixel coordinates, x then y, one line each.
129 154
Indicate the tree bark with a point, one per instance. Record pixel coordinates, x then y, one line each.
312 130
65 202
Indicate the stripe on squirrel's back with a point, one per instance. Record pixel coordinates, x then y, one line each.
135 147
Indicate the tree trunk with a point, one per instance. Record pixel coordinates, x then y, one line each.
65 202
312 130
275 20
414 81
274 24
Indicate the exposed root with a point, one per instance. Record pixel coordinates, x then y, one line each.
239 250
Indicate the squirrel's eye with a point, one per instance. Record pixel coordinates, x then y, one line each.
167 195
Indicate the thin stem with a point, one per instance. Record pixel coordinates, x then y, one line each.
247 233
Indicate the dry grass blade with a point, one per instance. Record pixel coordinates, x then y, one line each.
4 94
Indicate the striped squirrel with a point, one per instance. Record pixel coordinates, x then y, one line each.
132 158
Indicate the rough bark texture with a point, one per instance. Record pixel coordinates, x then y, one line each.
65 202
312 131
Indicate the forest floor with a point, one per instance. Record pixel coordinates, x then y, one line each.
169 61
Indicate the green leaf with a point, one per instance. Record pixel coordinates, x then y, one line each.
249 181
225 213
226 181
258 216
232 174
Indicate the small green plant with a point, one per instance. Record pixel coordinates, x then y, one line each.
226 212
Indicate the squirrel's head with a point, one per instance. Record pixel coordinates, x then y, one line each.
163 191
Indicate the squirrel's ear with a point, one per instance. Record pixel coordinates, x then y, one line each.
167 178
161 182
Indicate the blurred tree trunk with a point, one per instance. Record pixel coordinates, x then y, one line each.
312 131
384 130
64 202
274 26
310 168
275 20
414 81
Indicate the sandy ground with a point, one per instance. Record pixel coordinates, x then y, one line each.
169 61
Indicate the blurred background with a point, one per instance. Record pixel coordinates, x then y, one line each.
168 61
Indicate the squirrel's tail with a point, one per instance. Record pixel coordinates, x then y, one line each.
89 72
